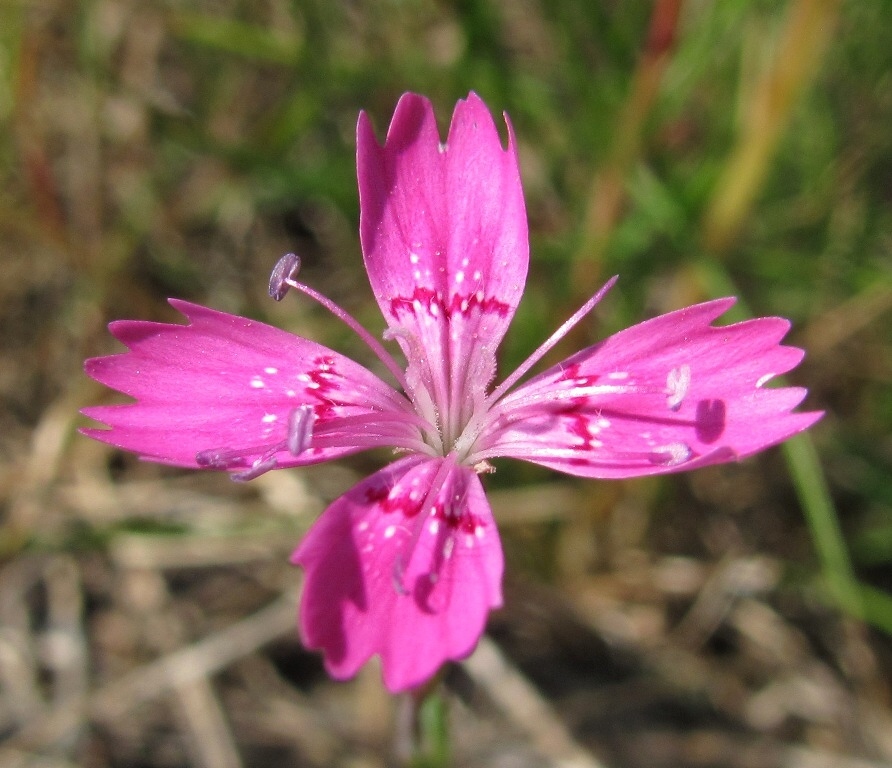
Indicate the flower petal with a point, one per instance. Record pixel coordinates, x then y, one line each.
444 236
669 394
406 565
224 382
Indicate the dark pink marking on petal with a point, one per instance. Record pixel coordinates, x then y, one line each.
663 396
459 304
450 574
443 226
228 384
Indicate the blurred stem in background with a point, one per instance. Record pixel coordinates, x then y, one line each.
608 188
766 114
808 478
765 117
422 733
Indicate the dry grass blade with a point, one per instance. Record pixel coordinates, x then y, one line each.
177 669
524 706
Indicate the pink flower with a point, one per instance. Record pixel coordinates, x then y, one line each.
408 564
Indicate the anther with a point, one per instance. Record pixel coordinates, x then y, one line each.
286 269
677 384
300 429
399 573
671 455
483 468
396 332
216 458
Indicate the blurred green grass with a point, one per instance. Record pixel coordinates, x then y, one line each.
179 148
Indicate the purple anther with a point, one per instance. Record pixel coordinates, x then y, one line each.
286 269
300 429
214 458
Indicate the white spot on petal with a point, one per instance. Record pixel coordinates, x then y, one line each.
270 370
618 375
257 383
269 418
389 531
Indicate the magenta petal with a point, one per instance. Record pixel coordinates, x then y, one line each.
444 236
669 394
227 382
390 575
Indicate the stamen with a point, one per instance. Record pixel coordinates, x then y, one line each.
669 455
468 402
377 430
286 269
399 571
551 341
258 468
677 384
300 429
425 398
224 458
430 500
282 278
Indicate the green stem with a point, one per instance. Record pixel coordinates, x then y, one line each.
423 729
808 478
814 496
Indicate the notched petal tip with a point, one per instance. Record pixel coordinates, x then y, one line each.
473 122
669 394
